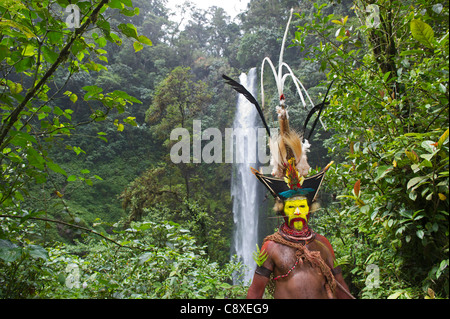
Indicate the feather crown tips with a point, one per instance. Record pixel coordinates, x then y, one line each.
288 148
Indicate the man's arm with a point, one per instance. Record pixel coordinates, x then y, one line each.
262 275
342 291
256 289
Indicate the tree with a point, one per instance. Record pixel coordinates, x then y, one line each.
178 100
38 43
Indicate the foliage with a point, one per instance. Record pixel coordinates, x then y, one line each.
38 45
148 260
389 116
165 262
178 100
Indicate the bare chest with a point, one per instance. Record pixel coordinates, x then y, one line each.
297 278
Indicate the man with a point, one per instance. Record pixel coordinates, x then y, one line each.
299 261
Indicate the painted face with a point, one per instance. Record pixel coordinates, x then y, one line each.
297 212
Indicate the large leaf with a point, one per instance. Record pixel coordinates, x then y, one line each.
416 180
5 24
382 171
422 32
49 55
129 30
56 168
9 252
38 252
442 139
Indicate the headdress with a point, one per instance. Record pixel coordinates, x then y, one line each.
288 149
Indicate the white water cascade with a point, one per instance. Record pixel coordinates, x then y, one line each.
245 188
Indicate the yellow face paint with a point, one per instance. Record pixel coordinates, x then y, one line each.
297 211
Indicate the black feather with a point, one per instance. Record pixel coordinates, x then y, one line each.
319 107
242 90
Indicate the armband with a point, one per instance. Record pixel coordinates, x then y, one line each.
263 271
336 270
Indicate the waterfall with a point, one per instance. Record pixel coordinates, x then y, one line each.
245 188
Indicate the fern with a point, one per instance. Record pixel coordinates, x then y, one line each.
259 256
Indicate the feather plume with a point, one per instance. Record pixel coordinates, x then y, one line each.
242 90
279 146
278 156
294 142
303 166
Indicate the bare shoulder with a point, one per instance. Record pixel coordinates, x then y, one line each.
324 241
268 246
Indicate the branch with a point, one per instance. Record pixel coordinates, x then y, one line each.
75 226
14 116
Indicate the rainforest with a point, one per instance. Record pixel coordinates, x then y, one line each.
92 204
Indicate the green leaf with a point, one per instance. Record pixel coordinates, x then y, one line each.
442 139
24 64
29 50
420 233
144 40
9 252
410 52
55 37
92 92
56 168
128 3
259 256
422 32
4 52
22 139
5 23
13 5
35 159
61 279
428 146
38 252
137 46
115 4
73 97
131 120
78 150
49 55
92 89
415 181
126 96
129 30
382 171
395 295
145 257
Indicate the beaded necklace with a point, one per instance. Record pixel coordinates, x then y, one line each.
304 236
